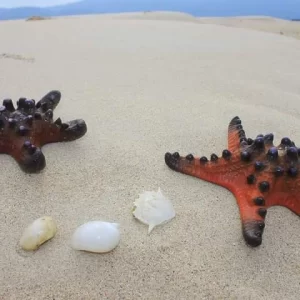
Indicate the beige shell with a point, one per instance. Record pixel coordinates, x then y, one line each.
153 209
37 233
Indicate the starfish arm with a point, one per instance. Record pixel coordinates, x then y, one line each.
236 134
213 171
190 166
227 173
52 132
49 101
72 130
252 207
26 150
30 158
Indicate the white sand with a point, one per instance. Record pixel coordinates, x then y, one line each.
261 23
146 87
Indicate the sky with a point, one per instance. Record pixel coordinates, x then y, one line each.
41 3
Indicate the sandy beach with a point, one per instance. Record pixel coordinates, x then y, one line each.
146 84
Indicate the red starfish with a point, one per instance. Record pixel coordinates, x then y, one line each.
259 175
23 131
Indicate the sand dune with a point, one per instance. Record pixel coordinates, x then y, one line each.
261 23
145 15
267 24
146 87
155 15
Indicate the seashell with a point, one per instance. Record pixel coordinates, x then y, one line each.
37 233
153 208
96 236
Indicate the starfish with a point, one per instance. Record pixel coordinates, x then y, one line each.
23 131
259 175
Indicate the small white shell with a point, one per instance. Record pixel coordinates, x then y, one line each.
37 233
96 236
153 208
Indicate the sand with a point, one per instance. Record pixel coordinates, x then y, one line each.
260 23
146 87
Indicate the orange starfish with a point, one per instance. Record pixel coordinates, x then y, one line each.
259 175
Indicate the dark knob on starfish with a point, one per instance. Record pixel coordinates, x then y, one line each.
250 141
262 212
292 172
189 157
236 121
27 144
12 122
260 201
22 130
29 147
259 166
286 141
176 155
241 133
203 159
251 179
272 153
29 103
264 186
245 156
278 171
21 103
226 154
58 122
292 153
259 143
9 105
214 157
269 138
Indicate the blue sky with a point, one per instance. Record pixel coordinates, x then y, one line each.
16 3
